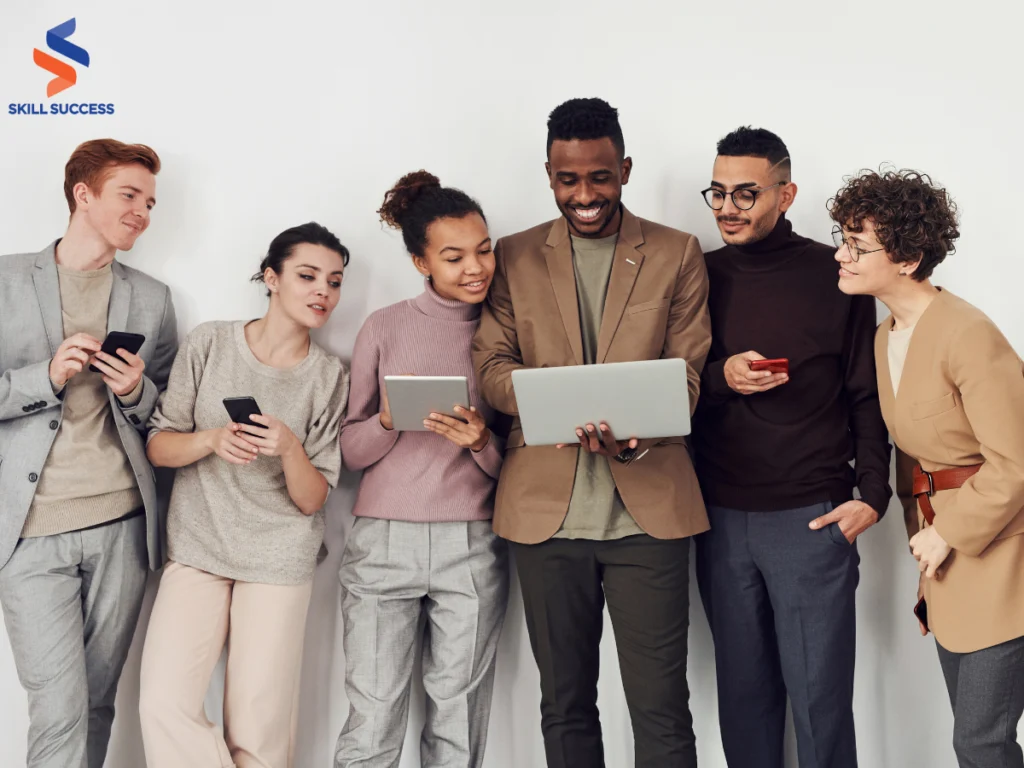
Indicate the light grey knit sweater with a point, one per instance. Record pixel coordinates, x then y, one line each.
239 521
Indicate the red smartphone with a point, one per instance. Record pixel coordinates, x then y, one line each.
776 365
921 611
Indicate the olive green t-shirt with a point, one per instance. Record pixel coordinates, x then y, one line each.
596 511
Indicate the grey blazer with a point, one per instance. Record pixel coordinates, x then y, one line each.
31 329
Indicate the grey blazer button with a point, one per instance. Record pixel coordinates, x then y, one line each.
33 477
54 424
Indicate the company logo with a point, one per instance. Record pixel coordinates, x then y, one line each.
64 74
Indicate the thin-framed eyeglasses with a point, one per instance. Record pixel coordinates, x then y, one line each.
840 240
743 199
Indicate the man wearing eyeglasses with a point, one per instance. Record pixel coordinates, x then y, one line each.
779 568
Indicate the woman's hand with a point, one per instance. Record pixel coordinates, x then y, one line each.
930 549
230 445
472 433
274 438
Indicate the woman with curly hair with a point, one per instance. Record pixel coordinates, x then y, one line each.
952 394
422 558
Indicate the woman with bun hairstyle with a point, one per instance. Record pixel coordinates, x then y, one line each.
422 544
952 394
246 519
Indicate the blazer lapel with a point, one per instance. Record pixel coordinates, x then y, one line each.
44 277
625 268
563 280
120 299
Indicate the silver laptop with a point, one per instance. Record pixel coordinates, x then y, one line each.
648 398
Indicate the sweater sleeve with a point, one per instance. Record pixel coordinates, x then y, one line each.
989 376
713 388
491 457
364 441
870 437
175 410
321 444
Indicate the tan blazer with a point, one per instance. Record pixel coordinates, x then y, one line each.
656 307
961 402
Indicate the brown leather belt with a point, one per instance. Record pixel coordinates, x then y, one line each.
927 484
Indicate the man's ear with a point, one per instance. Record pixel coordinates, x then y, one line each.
627 167
787 194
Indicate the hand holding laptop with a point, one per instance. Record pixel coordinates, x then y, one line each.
600 440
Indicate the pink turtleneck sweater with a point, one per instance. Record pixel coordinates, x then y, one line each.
417 476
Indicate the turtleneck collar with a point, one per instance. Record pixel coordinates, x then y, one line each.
779 239
432 304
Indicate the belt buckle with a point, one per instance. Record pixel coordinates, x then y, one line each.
931 482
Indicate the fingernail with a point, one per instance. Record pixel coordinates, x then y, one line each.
426 423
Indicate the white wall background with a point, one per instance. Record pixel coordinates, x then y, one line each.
271 114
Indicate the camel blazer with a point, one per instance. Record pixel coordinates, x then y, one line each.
656 307
960 402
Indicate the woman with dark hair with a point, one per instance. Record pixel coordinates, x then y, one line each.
246 519
422 545
952 394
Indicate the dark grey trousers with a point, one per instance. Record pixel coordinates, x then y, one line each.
986 689
645 583
780 600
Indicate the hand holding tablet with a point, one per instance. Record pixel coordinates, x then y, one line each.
409 401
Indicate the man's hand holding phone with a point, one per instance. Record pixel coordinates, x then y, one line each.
743 379
72 356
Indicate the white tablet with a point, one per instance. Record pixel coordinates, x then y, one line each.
643 399
413 398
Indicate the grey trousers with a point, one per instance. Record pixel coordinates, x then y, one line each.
780 600
455 575
986 689
71 602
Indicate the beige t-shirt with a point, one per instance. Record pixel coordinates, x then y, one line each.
899 343
596 511
239 521
86 479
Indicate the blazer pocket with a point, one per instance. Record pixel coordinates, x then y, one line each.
929 408
648 306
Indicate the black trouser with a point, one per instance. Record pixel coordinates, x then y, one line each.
645 581
986 689
780 600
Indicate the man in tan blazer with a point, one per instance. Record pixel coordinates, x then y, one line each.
601 519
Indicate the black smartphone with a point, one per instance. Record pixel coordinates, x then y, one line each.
241 408
120 340
921 611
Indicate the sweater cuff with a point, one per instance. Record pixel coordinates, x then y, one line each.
133 398
713 380
489 458
876 498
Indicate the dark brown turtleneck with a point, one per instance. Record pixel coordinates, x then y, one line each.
790 447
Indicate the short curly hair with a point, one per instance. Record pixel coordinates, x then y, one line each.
914 219
585 119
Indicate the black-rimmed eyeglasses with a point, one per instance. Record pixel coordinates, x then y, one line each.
855 252
743 199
